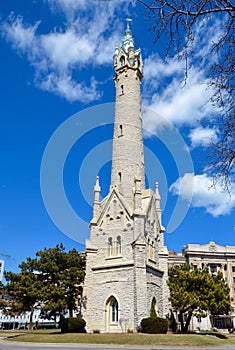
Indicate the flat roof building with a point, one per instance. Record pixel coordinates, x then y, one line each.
216 258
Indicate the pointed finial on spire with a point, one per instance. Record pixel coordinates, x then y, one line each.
96 203
97 189
128 20
157 188
128 40
97 184
128 31
157 192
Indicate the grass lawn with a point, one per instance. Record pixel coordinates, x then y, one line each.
54 336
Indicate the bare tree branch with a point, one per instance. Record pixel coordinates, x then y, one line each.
178 20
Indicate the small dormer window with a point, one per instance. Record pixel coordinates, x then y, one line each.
122 61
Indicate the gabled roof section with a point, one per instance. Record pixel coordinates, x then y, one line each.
149 208
113 209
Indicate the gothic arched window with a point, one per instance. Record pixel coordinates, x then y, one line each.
122 61
152 250
110 246
149 249
113 311
119 245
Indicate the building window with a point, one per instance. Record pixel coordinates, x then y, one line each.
213 268
225 267
122 61
149 250
195 267
110 246
114 311
233 279
122 90
120 130
152 251
233 268
120 178
119 245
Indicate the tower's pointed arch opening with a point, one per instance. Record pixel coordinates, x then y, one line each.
112 314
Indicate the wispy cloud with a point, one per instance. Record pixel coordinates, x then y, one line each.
69 6
166 91
22 36
65 87
202 136
214 200
82 41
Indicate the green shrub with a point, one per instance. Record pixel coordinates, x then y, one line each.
73 325
154 325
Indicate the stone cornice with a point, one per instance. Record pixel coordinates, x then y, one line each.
113 266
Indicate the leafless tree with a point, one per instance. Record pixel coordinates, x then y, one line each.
178 20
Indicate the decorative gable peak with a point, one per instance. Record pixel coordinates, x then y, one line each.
114 213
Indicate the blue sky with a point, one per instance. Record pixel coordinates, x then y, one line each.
56 62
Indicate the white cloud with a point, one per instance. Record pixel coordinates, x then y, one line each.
71 7
202 136
66 49
207 33
176 101
155 69
19 34
68 5
214 200
167 92
69 89
82 41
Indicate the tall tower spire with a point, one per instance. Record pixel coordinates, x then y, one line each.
126 260
128 151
